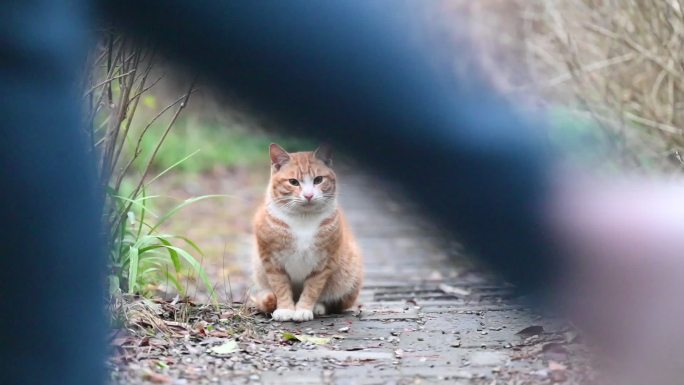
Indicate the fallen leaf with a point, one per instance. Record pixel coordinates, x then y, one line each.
200 328
218 333
453 290
530 331
226 348
553 365
313 339
156 378
228 314
304 338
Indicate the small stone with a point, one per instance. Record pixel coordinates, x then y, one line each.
456 344
343 329
556 366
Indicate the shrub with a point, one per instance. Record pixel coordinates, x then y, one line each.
140 255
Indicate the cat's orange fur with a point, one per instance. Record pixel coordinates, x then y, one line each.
307 261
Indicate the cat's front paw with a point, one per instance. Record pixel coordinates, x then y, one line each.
302 315
319 309
283 315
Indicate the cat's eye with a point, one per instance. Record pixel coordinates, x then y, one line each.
318 179
294 182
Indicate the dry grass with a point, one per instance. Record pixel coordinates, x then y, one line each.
178 318
619 61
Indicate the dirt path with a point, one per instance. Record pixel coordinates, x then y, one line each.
425 316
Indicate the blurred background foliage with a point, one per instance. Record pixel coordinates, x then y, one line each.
215 144
608 74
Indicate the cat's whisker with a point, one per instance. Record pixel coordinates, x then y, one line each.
290 204
283 199
324 197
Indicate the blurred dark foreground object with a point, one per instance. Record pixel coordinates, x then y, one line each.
346 71
355 73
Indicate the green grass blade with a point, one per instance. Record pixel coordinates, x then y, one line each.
172 166
143 210
189 242
132 268
148 249
197 267
174 210
173 254
139 202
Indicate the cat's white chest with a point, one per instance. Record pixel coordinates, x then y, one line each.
302 257
303 231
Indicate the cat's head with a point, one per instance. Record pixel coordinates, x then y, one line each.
302 182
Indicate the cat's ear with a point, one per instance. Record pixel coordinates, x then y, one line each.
324 154
278 156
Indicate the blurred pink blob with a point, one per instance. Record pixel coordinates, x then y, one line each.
622 241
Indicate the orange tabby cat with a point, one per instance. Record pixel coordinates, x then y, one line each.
307 261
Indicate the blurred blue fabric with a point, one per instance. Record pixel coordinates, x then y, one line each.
51 280
344 71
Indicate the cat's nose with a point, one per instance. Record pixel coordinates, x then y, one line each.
308 196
